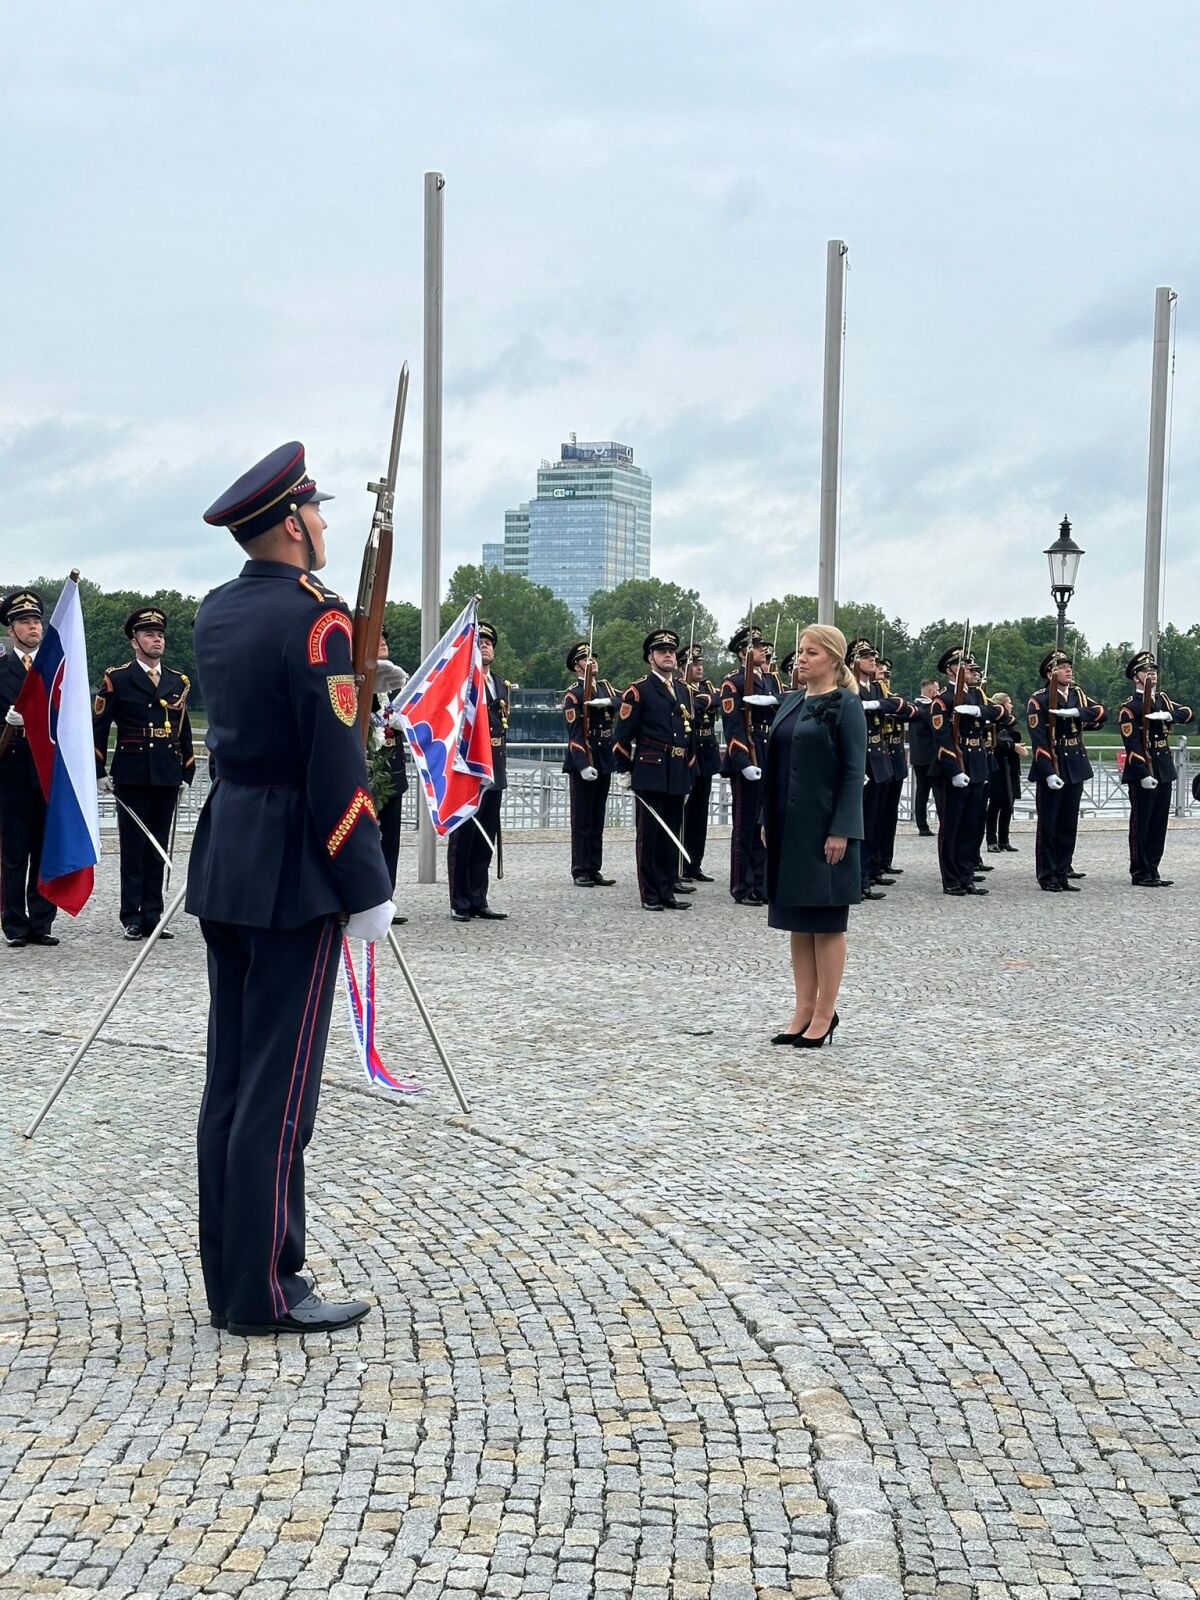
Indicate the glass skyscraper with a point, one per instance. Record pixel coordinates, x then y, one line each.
588 527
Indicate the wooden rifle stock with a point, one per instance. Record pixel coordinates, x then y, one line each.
376 569
585 720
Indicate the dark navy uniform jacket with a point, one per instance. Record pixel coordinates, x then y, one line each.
972 735
881 764
17 770
1073 763
922 746
498 692
154 735
288 832
1129 721
737 751
600 727
706 707
654 736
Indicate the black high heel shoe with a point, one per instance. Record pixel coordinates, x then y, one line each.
801 1043
789 1038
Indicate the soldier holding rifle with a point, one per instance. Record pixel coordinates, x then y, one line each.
958 717
747 709
1057 716
706 707
589 710
652 747
1145 721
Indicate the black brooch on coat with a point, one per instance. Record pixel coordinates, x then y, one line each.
824 709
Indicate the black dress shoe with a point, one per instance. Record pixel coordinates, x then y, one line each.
311 1315
1159 883
981 866
898 871
1011 849
924 833
653 905
132 932
700 877
399 919
973 888
460 916
874 894
583 882
165 934
1076 874
488 915
883 883
994 849
602 882
17 944
42 938
683 888
675 905
1143 883
1069 888
953 888
1052 888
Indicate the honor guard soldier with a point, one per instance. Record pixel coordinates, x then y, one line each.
1145 722
896 712
470 851
148 702
705 708
770 672
958 716
390 680
747 710
25 915
589 708
286 845
1057 716
863 660
652 747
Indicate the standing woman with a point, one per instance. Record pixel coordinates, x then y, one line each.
813 820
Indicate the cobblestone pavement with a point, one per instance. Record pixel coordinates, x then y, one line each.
673 1313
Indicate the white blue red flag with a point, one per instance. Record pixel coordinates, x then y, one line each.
443 711
56 702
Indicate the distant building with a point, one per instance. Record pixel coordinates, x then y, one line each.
588 527
493 558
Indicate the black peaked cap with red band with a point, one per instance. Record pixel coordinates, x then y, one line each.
266 494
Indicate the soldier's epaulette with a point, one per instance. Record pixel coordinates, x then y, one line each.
318 590
108 671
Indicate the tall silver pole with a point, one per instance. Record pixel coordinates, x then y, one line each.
831 419
1152 591
431 475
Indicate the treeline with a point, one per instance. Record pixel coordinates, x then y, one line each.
535 630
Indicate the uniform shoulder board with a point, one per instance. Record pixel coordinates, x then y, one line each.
318 591
122 667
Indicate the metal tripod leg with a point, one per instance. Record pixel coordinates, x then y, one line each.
427 1020
151 941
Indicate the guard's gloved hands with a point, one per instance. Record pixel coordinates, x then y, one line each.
624 780
1149 783
604 701
1064 711
1055 782
760 700
1159 716
752 774
968 711
14 718
923 700
960 780
870 705
589 774
104 784
371 925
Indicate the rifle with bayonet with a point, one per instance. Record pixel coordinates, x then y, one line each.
376 569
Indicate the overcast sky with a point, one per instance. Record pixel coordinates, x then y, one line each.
213 243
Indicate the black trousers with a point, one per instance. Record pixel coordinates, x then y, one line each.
142 867
695 824
747 853
1057 826
22 825
889 814
960 832
872 820
468 856
925 785
270 993
657 856
389 836
1149 813
589 804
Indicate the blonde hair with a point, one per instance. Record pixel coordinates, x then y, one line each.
833 641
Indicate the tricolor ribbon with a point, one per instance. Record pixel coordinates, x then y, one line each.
361 1001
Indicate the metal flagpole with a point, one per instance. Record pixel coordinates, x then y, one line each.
428 1021
431 472
151 941
1152 581
831 416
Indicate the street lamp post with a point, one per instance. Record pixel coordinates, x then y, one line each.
1064 556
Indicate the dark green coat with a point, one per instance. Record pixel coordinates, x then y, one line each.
813 786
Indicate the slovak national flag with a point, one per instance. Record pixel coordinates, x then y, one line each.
56 702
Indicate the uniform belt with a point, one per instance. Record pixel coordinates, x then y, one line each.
661 744
264 776
496 742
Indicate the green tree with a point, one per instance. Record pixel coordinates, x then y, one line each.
618 647
652 603
533 625
402 624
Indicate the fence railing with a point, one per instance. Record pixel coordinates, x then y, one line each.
538 794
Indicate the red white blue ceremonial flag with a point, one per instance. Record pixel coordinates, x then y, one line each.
443 712
56 702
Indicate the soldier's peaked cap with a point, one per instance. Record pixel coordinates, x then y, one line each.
1142 659
1052 659
859 648
144 617
659 639
21 603
742 638
266 494
488 632
577 651
950 658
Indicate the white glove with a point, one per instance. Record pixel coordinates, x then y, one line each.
589 774
624 780
371 925
924 700
752 774
1149 783
1159 716
870 705
1054 782
603 701
104 784
14 718
968 711
1064 711
760 700
960 780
